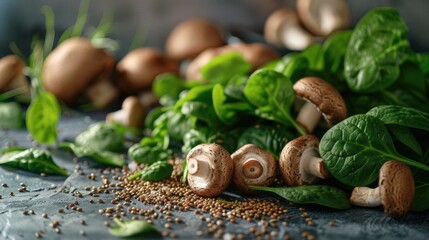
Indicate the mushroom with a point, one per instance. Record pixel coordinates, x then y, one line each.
320 99
252 166
138 69
323 17
191 37
256 54
131 115
300 162
395 191
73 67
12 76
210 169
283 29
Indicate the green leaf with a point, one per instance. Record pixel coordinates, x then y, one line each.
103 157
149 151
131 228
225 66
102 136
272 93
11 116
355 149
377 48
157 171
42 118
294 66
404 116
168 84
32 160
323 195
421 198
229 112
406 137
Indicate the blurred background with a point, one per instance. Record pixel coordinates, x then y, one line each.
22 19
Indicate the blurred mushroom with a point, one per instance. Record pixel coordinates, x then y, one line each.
300 162
395 191
12 76
210 169
257 54
191 37
131 115
73 67
252 166
324 17
138 69
283 29
321 99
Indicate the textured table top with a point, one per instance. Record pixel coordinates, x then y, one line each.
49 194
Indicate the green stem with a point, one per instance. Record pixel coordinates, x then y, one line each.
134 176
117 221
410 162
262 188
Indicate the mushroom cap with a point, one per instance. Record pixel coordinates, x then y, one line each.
396 184
10 67
139 68
131 115
191 37
221 169
323 17
74 65
290 163
274 22
253 166
324 96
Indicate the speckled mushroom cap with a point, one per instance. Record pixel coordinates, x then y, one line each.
323 17
210 169
324 96
10 67
396 184
291 167
191 37
252 166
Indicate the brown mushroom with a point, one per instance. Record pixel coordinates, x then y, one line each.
256 54
283 29
12 76
320 99
252 166
191 37
73 67
324 17
300 162
138 69
131 115
395 191
210 169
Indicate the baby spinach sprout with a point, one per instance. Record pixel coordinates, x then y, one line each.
156 172
149 152
225 66
132 228
323 195
102 136
355 149
103 157
421 197
32 160
11 115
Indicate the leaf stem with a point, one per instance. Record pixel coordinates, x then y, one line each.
135 176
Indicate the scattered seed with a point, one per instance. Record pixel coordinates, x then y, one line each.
61 210
82 222
4 185
82 232
11 194
57 230
333 223
44 215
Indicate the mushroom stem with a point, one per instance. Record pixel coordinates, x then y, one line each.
366 197
102 93
330 20
252 168
308 116
294 37
199 167
313 165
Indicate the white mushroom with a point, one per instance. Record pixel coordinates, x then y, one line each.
300 162
210 169
131 115
321 99
395 191
252 166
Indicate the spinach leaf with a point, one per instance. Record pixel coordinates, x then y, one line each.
229 112
294 66
323 195
421 198
314 55
101 136
131 228
235 87
103 157
169 84
404 116
272 93
11 116
42 118
355 149
157 171
406 137
225 66
32 160
411 77
149 151
377 48
228 140
269 138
